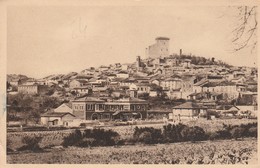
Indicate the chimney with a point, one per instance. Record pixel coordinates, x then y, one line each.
180 52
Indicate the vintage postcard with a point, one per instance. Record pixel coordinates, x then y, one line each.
129 82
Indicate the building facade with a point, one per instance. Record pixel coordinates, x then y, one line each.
89 108
31 89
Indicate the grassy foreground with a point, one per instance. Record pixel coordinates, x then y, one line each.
207 152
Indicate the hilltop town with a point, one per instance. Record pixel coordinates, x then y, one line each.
159 85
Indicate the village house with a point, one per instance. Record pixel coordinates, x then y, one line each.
187 111
171 83
31 89
140 87
90 108
186 63
77 83
111 77
187 85
122 74
61 116
89 71
82 90
143 87
124 67
153 93
57 119
104 68
127 82
229 90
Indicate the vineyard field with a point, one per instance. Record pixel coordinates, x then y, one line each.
205 152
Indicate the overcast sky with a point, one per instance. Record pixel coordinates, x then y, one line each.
49 40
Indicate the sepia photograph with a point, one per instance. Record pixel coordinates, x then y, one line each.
131 83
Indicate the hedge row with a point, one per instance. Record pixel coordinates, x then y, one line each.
183 133
92 137
147 135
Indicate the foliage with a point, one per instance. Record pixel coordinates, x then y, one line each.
102 137
31 143
145 137
29 106
72 139
148 135
92 137
172 133
193 134
252 132
237 132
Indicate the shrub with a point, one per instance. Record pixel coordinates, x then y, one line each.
72 139
31 143
95 137
156 135
246 128
145 137
223 134
237 132
172 133
253 132
193 134
100 137
213 136
86 142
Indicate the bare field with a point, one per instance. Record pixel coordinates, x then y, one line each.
206 152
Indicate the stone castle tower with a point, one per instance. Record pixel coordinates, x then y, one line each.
160 49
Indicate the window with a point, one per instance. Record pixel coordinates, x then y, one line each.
89 107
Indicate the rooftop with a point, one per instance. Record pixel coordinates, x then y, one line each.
88 99
189 105
55 114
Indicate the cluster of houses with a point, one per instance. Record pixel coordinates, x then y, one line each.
116 91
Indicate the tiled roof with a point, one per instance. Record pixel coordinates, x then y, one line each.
69 105
201 82
88 99
159 111
53 114
131 99
189 105
226 107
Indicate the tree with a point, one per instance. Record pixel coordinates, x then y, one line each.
244 33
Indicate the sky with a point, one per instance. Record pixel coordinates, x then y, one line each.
47 40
